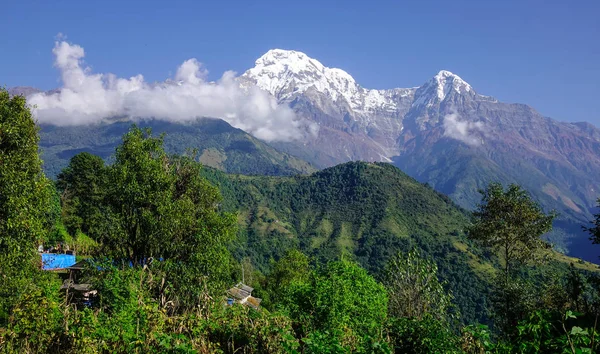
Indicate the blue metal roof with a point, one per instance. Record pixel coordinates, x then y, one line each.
51 261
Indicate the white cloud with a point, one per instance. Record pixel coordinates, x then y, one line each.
462 130
87 98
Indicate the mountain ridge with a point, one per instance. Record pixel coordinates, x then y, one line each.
218 145
443 132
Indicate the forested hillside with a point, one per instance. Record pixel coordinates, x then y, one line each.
175 257
366 211
219 145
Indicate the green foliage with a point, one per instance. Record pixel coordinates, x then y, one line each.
511 223
148 205
292 268
83 185
512 300
24 200
340 298
594 231
36 320
414 290
425 335
368 212
239 329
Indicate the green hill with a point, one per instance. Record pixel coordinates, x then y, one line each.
219 144
364 211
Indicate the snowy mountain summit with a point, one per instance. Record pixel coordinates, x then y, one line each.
332 98
288 73
439 87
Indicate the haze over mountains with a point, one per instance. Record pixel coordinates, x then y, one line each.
443 132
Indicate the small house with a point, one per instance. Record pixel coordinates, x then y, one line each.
242 294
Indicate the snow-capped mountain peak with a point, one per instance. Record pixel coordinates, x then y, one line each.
279 61
288 73
439 86
446 81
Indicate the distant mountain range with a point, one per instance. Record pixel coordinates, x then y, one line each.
442 132
218 145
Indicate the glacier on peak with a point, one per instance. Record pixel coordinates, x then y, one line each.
439 86
286 73
445 81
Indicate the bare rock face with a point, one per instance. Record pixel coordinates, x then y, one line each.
355 123
443 133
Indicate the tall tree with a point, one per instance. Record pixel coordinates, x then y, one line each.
24 198
414 289
83 186
148 205
511 223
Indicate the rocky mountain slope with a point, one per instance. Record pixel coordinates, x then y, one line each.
443 133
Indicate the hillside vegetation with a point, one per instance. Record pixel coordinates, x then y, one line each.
218 144
359 258
367 212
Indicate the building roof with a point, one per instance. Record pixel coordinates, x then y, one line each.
77 287
243 293
54 261
240 291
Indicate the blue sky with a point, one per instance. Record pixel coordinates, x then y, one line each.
543 53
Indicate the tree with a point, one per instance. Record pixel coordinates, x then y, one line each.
83 185
511 223
151 206
340 299
291 268
414 289
24 199
594 231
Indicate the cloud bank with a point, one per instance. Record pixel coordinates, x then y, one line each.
88 98
462 130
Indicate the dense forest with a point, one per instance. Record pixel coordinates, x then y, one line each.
176 257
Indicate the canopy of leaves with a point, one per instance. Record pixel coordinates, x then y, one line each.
510 222
341 299
83 184
24 198
414 290
148 205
